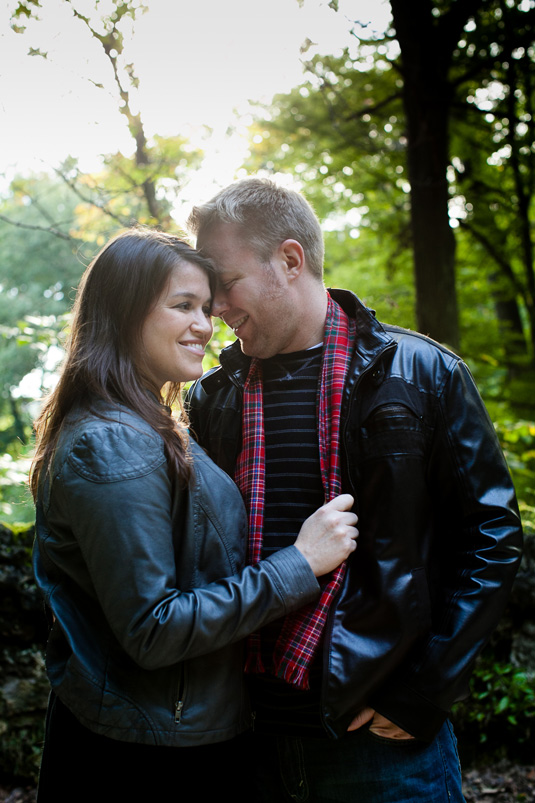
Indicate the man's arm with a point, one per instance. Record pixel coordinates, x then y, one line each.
479 556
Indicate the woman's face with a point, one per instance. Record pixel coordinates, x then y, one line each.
178 327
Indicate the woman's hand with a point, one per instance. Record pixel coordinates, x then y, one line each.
328 537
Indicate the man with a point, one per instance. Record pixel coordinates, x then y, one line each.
352 697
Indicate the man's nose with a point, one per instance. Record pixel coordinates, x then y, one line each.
220 304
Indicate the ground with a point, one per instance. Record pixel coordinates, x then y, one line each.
501 783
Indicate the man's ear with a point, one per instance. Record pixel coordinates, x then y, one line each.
292 256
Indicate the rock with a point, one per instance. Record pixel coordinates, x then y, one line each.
23 683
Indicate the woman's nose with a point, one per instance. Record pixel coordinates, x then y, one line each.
203 323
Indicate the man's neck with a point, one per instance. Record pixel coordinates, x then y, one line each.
311 311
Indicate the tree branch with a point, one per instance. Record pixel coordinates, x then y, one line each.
92 202
495 255
375 108
50 229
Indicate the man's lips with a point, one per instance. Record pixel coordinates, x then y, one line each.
236 325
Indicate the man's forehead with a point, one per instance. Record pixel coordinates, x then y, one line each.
223 260
221 240
223 274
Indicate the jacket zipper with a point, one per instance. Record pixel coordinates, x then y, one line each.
179 705
330 615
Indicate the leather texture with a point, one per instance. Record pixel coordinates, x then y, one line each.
145 583
440 533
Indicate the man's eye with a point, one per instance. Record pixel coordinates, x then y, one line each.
207 311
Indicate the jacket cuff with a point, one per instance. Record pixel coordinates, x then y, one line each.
410 711
296 579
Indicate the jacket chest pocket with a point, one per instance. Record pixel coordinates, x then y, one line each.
391 430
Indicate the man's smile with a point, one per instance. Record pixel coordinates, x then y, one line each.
236 325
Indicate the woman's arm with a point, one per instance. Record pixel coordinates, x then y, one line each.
110 530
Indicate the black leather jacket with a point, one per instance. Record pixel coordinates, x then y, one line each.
440 534
145 645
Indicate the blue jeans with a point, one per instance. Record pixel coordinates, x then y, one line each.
359 768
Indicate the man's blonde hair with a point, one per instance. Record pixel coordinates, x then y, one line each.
266 214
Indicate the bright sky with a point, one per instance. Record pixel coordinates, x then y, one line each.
197 61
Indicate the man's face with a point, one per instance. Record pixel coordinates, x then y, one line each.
253 296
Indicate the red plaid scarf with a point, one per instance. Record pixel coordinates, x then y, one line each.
301 631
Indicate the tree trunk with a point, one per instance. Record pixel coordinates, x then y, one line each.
425 58
433 240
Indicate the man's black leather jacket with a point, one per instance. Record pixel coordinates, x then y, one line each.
440 534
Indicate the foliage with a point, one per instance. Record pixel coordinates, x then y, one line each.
16 504
223 336
343 134
139 187
499 716
115 197
518 442
40 268
54 225
492 136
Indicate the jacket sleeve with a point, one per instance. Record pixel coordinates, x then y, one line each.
113 498
479 553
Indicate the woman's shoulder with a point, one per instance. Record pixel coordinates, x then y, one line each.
110 443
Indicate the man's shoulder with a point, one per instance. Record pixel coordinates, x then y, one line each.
414 342
231 373
420 361
411 355
205 388
408 338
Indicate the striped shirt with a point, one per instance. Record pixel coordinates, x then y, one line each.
293 492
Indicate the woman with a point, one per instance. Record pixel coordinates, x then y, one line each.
135 530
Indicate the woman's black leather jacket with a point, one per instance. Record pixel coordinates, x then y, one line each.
145 643
440 534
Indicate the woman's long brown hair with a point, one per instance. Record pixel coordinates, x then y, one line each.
114 297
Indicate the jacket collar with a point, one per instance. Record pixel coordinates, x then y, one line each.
371 341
